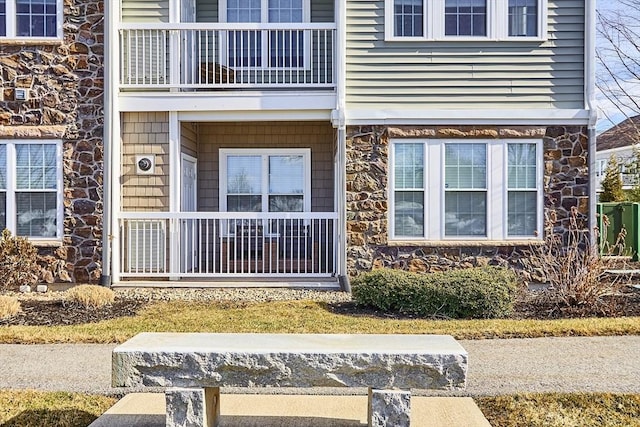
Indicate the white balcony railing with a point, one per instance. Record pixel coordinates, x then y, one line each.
227 55
221 244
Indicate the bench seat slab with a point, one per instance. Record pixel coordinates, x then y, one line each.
201 360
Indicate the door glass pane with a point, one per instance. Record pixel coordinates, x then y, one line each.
408 18
245 47
465 213
409 214
523 18
36 214
3 167
286 174
244 175
244 203
465 17
3 210
286 47
465 166
522 213
3 18
286 203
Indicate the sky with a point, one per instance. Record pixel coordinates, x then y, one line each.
608 111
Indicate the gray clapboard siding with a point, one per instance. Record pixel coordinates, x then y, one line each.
427 74
145 11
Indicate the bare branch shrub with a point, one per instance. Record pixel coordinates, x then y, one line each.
575 272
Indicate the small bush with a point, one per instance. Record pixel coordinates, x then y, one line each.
481 292
90 296
9 306
18 262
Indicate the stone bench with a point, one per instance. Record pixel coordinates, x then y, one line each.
193 367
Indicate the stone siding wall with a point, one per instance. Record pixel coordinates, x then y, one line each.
64 82
566 186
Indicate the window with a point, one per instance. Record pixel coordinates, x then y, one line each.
465 19
471 190
523 18
265 180
31 19
280 48
30 183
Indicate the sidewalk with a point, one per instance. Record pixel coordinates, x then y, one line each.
598 364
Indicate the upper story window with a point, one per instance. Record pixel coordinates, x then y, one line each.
31 188
465 19
266 49
31 19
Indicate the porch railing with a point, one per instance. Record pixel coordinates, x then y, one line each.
220 244
194 56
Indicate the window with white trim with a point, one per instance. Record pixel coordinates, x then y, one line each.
407 20
467 189
31 19
277 180
30 188
281 48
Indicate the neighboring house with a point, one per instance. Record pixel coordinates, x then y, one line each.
51 126
306 141
620 140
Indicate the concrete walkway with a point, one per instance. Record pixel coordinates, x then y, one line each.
606 364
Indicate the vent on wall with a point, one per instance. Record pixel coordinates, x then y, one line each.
146 247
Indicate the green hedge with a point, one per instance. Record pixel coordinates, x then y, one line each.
480 292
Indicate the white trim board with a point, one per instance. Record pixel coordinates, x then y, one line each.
467 117
230 101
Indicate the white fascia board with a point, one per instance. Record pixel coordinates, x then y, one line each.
513 117
249 101
254 116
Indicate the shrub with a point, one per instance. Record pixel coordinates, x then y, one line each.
18 262
90 296
9 306
574 270
480 292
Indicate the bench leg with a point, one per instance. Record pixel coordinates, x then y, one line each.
193 407
389 408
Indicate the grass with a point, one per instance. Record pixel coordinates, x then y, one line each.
562 410
49 409
302 317
58 409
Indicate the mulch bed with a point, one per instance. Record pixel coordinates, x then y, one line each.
58 312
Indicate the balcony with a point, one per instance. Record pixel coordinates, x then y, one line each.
218 56
209 245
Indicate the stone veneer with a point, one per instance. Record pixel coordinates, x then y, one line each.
65 86
566 181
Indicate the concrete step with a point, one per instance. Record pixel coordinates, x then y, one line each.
243 410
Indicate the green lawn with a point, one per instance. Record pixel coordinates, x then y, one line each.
301 317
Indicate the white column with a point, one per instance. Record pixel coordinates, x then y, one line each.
174 194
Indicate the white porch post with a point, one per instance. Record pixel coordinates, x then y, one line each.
174 194
113 141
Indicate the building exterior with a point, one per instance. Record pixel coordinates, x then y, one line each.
51 127
620 141
311 140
